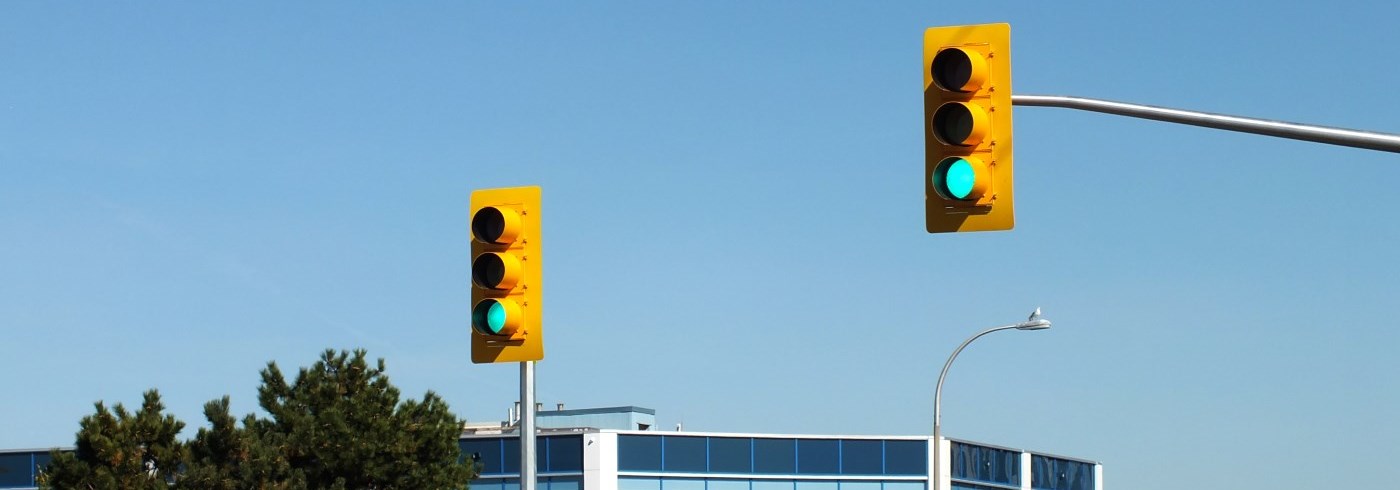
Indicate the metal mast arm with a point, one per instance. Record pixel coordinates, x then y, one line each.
1306 132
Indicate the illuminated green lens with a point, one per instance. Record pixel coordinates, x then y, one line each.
496 317
959 179
489 317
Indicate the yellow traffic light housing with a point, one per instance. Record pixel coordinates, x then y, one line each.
505 318
967 128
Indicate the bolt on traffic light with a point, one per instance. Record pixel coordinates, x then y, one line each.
967 128
505 318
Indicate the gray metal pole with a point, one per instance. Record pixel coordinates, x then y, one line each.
1306 132
527 425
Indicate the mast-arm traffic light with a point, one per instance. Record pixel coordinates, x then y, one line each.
967 128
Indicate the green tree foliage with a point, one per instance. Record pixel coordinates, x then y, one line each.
120 450
224 456
338 425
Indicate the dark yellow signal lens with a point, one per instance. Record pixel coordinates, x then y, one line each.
495 225
960 123
958 70
496 270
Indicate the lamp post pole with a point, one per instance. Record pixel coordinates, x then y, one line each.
1035 322
527 426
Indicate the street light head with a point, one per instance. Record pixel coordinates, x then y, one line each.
1037 324
1034 322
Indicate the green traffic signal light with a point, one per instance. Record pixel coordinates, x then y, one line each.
958 179
495 317
961 178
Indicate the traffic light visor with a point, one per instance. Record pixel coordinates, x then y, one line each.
495 225
958 70
960 123
496 270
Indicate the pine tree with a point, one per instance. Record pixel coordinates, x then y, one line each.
224 456
338 425
119 450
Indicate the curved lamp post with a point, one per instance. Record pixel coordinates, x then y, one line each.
1035 322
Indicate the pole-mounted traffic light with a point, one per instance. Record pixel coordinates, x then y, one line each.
506 304
967 128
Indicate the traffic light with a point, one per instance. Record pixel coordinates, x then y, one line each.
506 304
967 128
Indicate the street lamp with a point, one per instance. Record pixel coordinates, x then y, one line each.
1035 322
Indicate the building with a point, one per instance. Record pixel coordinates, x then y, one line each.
612 449
18 467
618 449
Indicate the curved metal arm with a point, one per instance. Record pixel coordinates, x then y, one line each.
1035 322
1369 140
938 390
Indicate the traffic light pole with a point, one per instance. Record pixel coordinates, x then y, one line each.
1306 132
527 425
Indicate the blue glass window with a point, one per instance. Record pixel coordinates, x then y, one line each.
986 464
818 456
487 452
632 483
973 486
682 484
638 453
860 485
565 453
906 458
728 485
41 460
502 455
683 453
773 485
510 456
731 455
1049 473
486 484
559 483
904 485
862 457
15 470
775 456
816 485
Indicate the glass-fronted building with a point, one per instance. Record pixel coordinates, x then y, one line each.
602 459
614 449
627 455
19 467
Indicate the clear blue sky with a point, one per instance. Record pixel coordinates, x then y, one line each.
733 211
